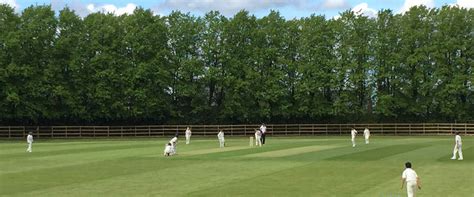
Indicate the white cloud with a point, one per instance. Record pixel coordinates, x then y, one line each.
335 4
411 3
364 10
361 9
465 3
228 6
83 10
109 8
11 3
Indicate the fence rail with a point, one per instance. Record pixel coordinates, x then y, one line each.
12 132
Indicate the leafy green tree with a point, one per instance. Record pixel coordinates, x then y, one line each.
28 88
316 72
452 59
239 104
213 56
416 63
270 66
354 65
63 100
386 58
141 68
146 57
186 67
9 71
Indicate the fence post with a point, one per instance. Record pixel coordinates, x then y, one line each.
52 131
326 129
66 131
409 129
340 131
245 130
149 130
465 128
424 129
286 129
9 132
312 128
438 129
231 130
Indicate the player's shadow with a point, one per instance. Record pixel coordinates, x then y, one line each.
468 155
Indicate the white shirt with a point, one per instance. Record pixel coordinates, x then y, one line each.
173 140
353 133
29 138
409 175
188 132
263 128
220 135
366 132
458 140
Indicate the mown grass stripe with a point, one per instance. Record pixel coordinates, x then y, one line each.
292 151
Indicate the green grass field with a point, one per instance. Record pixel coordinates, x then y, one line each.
299 166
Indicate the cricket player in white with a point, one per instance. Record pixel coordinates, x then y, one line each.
220 136
411 178
29 140
353 135
263 129
174 143
168 150
188 135
258 136
366 135
457 147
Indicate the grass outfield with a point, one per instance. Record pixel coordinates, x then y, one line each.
300 166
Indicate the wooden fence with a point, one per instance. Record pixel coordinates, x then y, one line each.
15 132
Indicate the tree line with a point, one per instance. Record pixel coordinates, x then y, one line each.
184 69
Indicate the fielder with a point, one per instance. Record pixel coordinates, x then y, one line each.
411 178
258 136
220 137
188 135
457 146
366 135
168 150
29 140
353 134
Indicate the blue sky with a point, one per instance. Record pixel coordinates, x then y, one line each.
288 8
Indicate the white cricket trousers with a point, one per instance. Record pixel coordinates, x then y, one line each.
258 141
221 143
366 140
173 149
188 139
411 188
353 142
457 149
29 147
